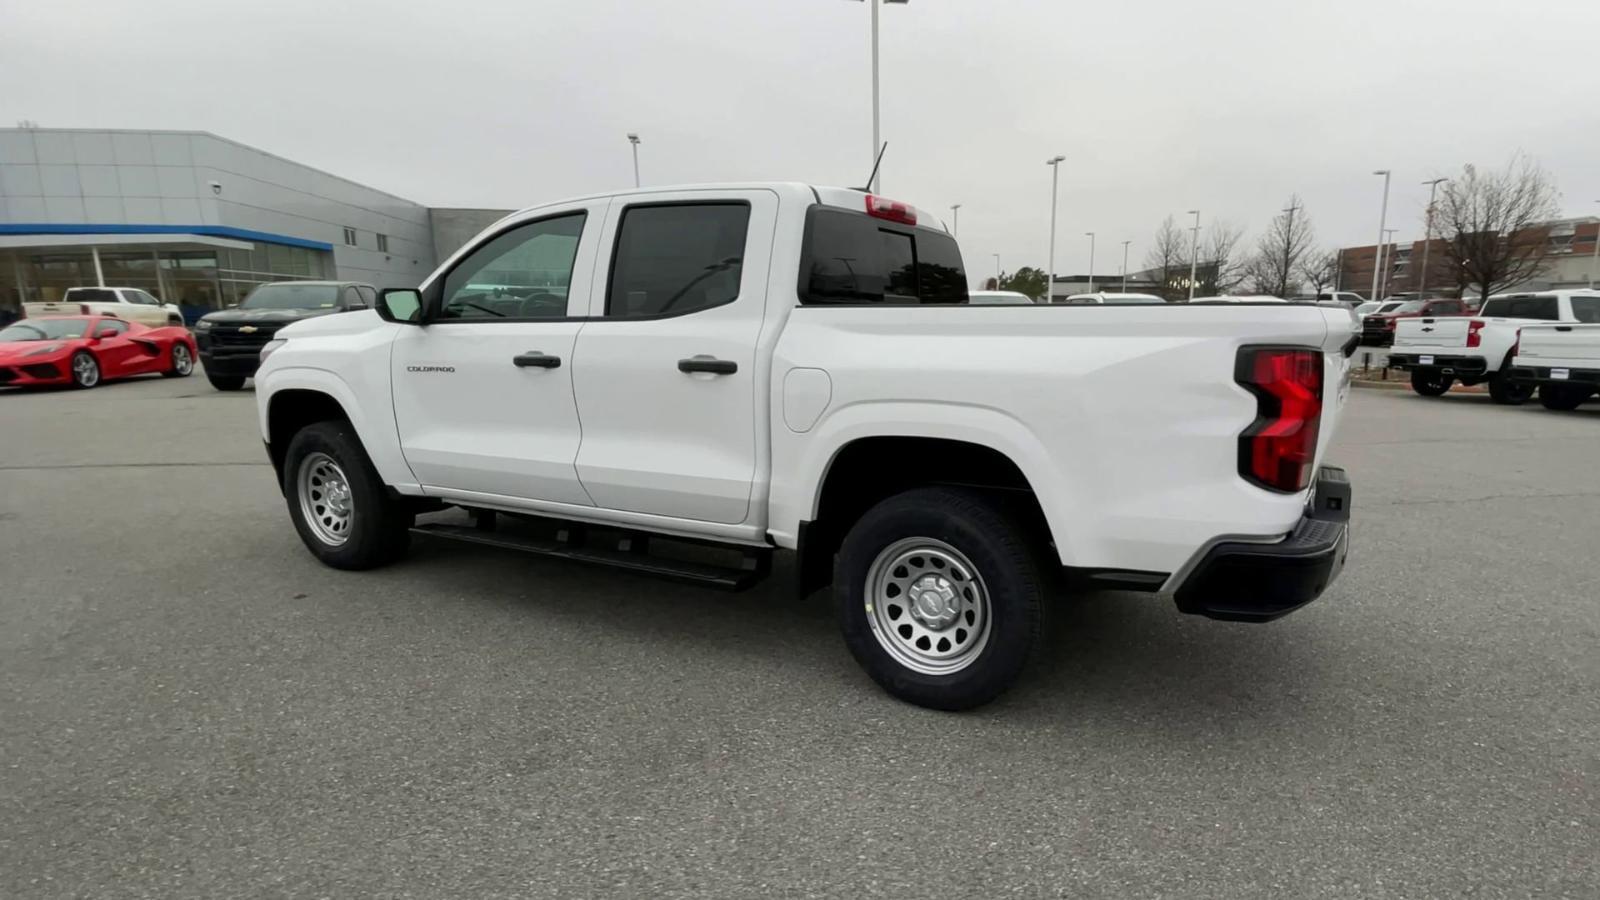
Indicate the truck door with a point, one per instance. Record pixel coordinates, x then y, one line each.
483 396
666 367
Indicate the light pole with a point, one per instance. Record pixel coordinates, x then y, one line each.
1194 251
955 220
1594 258
1090 235
996 270
634 140
1055 173
1383 216
874 187
1387 238
1427 236
1125 266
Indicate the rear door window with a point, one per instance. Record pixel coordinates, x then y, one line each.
1586 310
677 259
1531 306
853 259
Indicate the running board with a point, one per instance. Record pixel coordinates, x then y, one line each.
628 554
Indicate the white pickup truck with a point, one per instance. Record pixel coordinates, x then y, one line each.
1472 350
1563 360
657 378
127 303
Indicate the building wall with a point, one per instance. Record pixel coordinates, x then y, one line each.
1571 262
452 228
85 177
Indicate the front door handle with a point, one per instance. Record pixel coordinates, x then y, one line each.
537 360
708 364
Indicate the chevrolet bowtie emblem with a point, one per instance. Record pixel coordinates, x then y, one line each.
247 329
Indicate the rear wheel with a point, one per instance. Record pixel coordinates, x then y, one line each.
1430 382
226 382
1510 393
339 505
1564 396
182 362
85 370
940 597
175 320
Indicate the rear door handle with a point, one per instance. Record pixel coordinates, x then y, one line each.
537 360
708 364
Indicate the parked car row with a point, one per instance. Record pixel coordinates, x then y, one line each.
1517 344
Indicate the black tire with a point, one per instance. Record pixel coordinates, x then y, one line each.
379 528
1504 391
182 364
1430 382
1006 564
84 370
226 382
1564 397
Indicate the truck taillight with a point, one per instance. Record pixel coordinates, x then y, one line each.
893 210
84 310
1474 339
1278 451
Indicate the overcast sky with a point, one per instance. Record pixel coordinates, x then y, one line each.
1160 106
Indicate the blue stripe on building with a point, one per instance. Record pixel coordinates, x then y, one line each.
220 231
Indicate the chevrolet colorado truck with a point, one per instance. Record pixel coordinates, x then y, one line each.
1441 351
1563 360
684 381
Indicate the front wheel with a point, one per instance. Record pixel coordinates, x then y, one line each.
339 505
1563 396
940 597
1430 382
226 382
85 370
1507 392
182 362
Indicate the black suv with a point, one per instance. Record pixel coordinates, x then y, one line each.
231 340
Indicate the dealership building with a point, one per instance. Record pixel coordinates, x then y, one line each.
198 220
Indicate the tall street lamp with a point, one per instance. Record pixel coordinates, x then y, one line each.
876 142
1194 252
996 270
1388 237
1090 235
1055 172
1125 266
634 140
1383 216
1427 236
1594 259
955 220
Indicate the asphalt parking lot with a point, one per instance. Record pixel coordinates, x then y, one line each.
192 707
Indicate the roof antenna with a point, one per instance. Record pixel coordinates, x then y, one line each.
875 164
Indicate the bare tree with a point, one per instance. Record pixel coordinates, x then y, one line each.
1275 267
1320 270
1219 254
1490 223
1168 259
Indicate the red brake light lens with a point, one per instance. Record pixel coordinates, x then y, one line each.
1474 339
1279 449
893 210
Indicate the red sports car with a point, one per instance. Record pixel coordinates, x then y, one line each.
85 350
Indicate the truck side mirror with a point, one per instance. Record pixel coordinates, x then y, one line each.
403 305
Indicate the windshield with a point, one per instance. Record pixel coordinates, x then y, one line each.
1410 306
1367 307
44 330
289 295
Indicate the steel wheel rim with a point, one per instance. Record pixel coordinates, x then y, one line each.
86 370
181 360
325 500
928 606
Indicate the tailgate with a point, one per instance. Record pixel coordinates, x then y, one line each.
53 308
1541 345
1449 332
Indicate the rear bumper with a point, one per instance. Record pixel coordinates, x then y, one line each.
1450 364
1542 374
1238 581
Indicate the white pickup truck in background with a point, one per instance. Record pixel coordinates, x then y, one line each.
658 379
131 304
1472 350
1563 360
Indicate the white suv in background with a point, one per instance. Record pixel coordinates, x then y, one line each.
128 303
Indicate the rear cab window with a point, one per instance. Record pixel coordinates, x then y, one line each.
1545 307
852 259
1586 310
90 295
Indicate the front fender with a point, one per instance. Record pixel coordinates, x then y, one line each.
374 426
